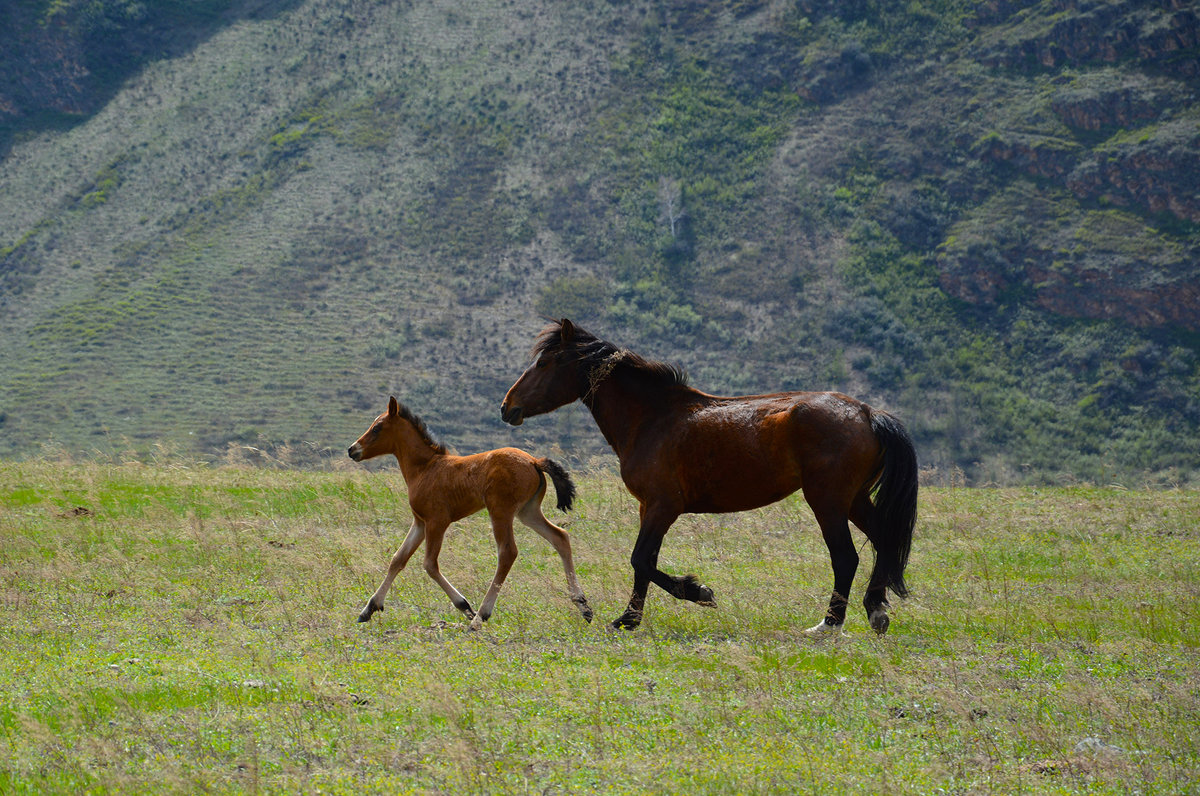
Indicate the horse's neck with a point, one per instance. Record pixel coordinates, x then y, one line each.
622 406
414 453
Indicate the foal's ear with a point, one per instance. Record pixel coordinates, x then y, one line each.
568 330
393 407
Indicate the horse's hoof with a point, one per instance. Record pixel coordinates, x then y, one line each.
627 621
476 622
879 622
823 629
371 608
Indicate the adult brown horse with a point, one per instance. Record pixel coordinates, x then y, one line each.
683 451
443 488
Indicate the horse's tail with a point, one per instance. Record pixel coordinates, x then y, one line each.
895 498
564 487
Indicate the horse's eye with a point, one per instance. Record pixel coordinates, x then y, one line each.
542 361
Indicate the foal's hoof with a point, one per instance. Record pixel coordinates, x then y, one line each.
585 609
371 608
879 621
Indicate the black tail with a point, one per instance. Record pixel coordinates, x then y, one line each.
895 498
564 487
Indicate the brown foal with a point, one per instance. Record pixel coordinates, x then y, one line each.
444 488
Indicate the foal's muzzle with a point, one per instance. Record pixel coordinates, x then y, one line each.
513 415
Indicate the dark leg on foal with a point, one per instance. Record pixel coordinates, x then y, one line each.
644 560
844 558
875 600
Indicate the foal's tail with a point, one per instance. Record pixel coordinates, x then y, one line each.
895 498
564 487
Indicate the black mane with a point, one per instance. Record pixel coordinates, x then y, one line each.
594 353
421 428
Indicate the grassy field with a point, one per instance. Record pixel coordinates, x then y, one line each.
174 627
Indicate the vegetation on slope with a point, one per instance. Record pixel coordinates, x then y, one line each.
968 214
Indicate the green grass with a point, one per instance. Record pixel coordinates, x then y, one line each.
181 628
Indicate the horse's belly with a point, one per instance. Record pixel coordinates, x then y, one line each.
723 503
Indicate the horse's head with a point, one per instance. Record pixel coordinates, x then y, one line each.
556 377
381 437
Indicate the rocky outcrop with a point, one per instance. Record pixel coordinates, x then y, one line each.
1075 290
1039 156
1165 35
1155 171
1123 294
1032 245
1158 175
1104 108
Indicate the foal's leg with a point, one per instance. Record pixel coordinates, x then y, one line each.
531 515
433 547
655 523
506 554
836 530
862 514
416 534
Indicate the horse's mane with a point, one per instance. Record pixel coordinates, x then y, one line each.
595 353
421 428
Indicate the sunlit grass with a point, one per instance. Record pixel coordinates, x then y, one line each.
177 627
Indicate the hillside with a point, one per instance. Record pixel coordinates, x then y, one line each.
241 223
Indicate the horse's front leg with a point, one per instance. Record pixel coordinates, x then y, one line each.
644 559
416 534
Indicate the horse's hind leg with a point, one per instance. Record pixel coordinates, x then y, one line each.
862 514
433 547
531 515
506 554
416 534
835 527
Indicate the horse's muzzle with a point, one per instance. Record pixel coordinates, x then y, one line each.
355 452
513 415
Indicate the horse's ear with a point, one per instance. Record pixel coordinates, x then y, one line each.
393 407
568 330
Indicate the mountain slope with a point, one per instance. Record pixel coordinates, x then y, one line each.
981 217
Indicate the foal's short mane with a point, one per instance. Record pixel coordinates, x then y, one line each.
421 428
594 353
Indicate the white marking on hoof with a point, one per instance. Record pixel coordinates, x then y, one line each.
823 629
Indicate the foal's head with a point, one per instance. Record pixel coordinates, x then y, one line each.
386 434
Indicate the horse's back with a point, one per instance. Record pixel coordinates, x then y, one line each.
735 453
